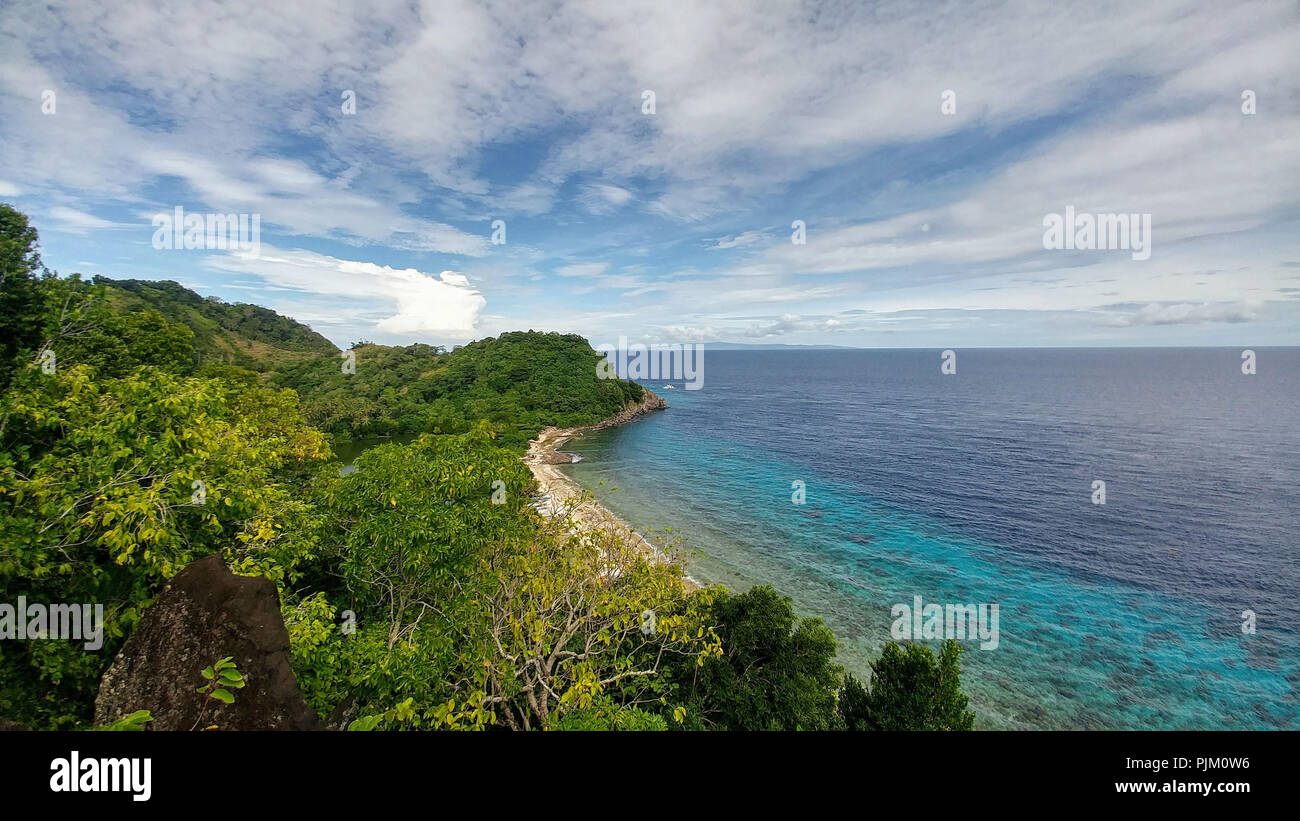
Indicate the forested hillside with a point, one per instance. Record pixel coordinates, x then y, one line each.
131 446
519 382
249 336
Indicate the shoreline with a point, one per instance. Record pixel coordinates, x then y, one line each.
544 457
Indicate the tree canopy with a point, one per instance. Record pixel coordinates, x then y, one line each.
143 427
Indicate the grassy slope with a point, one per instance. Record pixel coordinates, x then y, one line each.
249 336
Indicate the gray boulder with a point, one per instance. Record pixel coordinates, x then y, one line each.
204 614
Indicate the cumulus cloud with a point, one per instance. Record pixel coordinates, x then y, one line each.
447 305
362 295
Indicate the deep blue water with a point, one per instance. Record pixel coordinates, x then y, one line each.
977 488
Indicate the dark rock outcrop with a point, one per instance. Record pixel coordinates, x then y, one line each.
204 614
632 410
648 404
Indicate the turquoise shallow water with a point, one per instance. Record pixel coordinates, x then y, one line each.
1124 615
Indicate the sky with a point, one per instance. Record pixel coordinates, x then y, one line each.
647 169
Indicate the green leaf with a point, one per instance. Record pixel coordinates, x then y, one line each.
224 696
363 724
132 723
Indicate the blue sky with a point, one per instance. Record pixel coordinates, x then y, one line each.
924 227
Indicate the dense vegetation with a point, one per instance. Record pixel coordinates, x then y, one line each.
142 428
235 334
519 382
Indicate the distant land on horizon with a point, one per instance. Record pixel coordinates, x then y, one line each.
210 304
741 346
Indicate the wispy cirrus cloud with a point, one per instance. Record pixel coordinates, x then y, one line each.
583 269
827 113
1180 313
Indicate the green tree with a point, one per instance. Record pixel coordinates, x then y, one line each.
910 690
21 324
852 703
403 539
472 613
110 487
172 428
415 520
519 382
584 622
775 672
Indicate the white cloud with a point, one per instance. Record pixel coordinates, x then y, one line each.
747 98
405 302
72 221
692 333
448 306
603 198
467 112
583 269
1184 313
738 241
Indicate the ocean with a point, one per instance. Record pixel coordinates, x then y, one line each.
979 488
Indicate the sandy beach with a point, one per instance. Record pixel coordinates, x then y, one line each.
544 456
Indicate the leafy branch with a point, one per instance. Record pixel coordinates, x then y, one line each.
222 678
